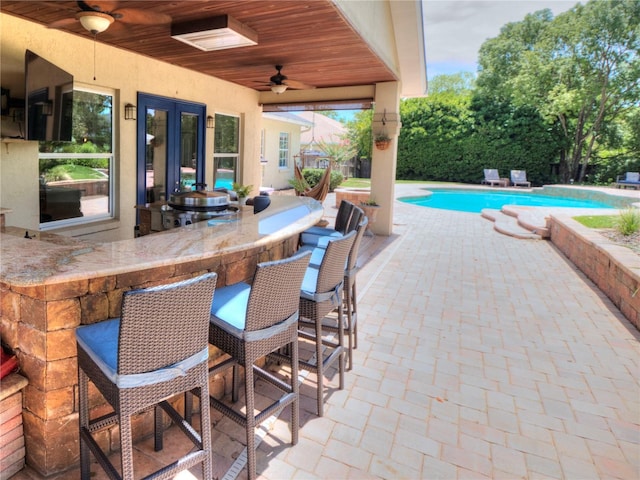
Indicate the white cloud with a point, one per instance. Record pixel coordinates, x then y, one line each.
455 29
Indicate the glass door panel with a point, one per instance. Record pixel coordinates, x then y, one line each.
188 151
156 154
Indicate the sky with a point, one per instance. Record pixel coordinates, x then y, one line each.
455 29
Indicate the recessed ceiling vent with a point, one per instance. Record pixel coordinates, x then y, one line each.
215 33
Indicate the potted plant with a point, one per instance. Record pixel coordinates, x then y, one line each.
382 140
242 191
370 207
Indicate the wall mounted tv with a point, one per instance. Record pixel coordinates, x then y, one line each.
49 102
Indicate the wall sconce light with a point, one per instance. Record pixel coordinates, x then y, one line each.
129 112
211 122
47 108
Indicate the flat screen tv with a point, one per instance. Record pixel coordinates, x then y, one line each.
49 102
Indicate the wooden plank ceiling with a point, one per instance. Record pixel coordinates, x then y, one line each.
310 38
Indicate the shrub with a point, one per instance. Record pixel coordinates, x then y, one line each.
628 222
313 176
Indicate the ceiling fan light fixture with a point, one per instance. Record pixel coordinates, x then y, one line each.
215 33
95 22
281 88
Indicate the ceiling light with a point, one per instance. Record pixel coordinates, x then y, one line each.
95 22
215 33
278 88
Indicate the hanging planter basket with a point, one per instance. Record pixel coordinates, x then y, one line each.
382 144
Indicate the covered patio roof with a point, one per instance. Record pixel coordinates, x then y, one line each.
321 43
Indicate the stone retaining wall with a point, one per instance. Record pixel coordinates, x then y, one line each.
613 268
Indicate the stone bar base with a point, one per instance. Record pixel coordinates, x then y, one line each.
42 321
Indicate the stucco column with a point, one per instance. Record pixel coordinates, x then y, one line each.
383 162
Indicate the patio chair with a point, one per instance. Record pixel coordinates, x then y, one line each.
519 178
629 179
157 349
321 294
350 291
250 321
492 177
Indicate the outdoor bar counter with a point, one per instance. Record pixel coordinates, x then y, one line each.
51 284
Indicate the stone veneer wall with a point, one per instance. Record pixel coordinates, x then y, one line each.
45 344
613 268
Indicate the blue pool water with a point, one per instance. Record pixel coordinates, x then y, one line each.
476 200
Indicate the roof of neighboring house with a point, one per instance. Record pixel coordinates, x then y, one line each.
288 117
323 128
315 126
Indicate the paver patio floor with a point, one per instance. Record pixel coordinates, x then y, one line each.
479 356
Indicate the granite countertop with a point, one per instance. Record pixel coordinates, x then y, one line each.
46 258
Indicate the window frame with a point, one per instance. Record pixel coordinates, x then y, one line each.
111 204
284 152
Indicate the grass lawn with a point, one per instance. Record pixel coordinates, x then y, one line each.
597 221
73 172
366 182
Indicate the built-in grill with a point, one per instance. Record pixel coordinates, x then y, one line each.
185 208
199 201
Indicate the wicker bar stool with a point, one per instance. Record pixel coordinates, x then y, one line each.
250 321
350 297
157 349
321 294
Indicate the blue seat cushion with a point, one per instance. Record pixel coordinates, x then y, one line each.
229 307
309 283
318 236
317 254
100 342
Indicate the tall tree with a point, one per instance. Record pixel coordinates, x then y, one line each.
581 71
461 82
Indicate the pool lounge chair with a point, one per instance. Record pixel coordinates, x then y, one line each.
519 178
492 177
629 179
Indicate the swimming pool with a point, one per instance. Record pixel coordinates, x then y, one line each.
476 200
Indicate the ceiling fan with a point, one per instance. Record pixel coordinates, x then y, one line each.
279 82
98 15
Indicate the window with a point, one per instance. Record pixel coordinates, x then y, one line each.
283 150
76 177
226 150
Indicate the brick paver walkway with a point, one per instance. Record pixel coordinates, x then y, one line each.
480 356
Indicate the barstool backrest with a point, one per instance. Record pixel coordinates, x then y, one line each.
345 211
161 326
275 291
331 271
353 253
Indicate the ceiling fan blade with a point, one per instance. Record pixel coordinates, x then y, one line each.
65 22
297 85
141 17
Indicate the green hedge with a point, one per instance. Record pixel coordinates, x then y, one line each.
313 176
